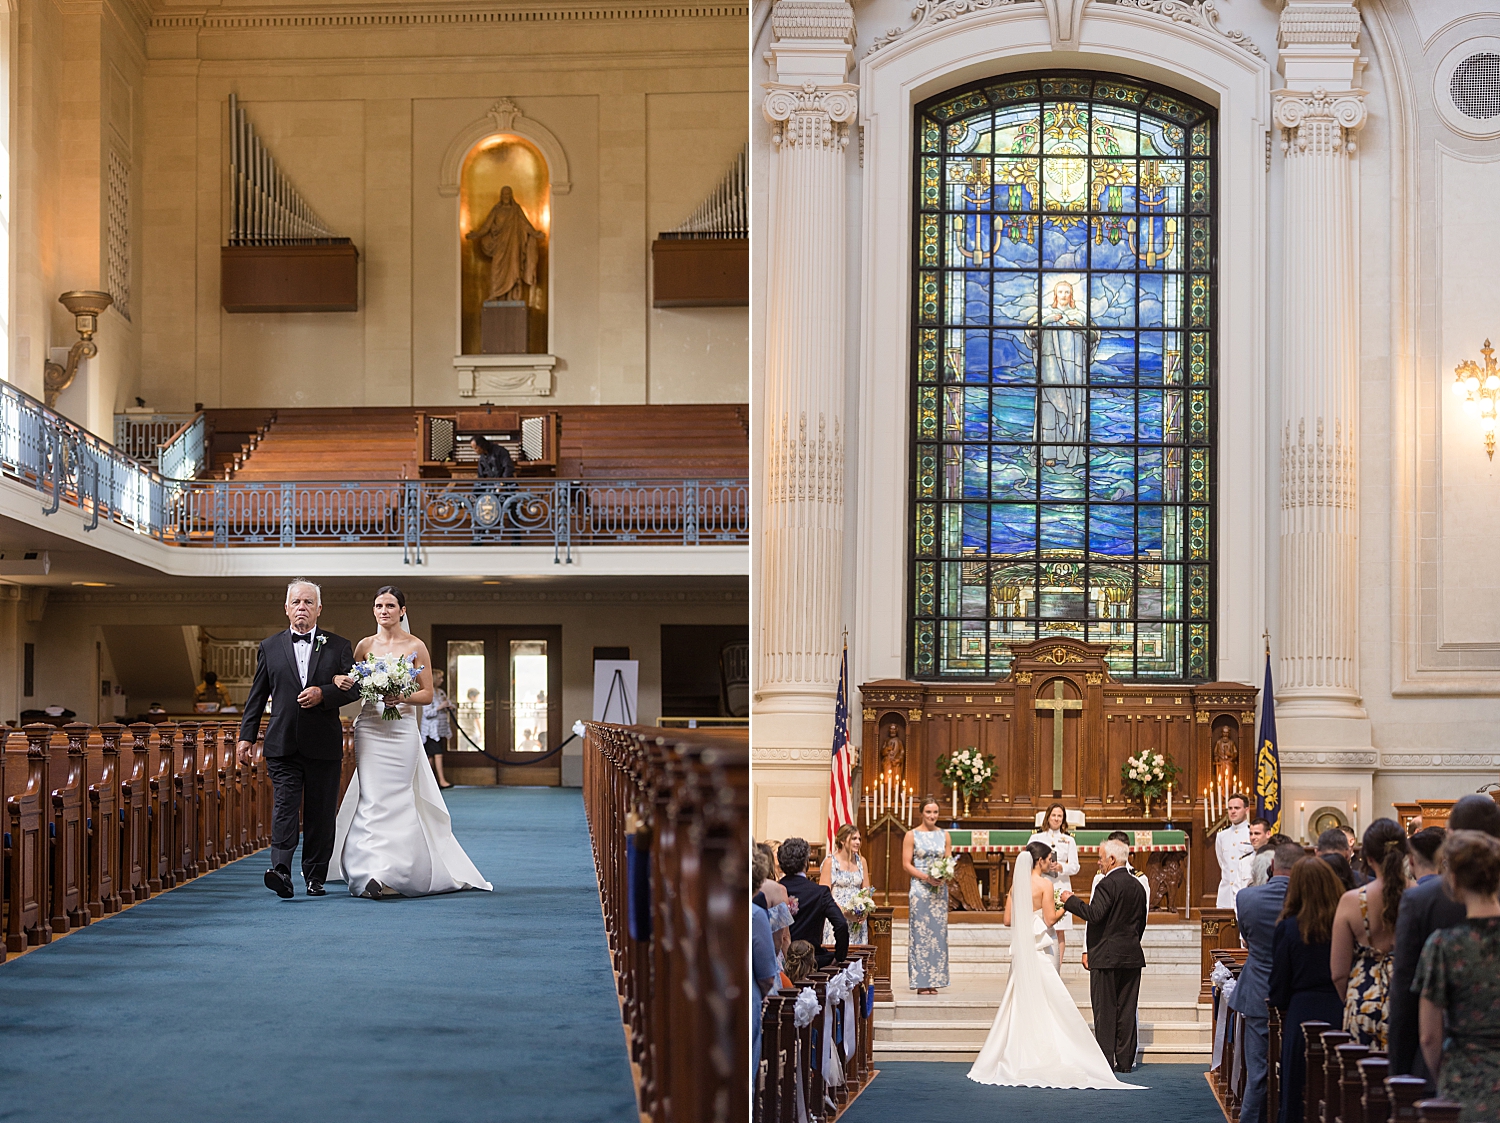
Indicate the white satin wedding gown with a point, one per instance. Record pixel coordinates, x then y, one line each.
1039 1039
393 826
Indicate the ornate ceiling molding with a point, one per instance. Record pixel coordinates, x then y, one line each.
1202 14
158 597
1364 759
937 11
318 17
1458 762
1064 18
505 116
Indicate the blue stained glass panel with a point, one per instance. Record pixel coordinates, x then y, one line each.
1058 235
1012 528
1111 416
1014 416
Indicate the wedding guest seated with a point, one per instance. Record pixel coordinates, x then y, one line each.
1458 978
1333 848
1364 932
1301 985
815 904
1258 910
801 961
212 690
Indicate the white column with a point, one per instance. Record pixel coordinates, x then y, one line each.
1318 113
799 605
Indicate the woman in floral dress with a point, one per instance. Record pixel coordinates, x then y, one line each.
927 902
1458 978
846 872
1364 936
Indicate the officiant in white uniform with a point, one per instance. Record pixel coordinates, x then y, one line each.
1231 847
1054 832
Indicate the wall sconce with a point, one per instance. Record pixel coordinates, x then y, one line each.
1477 386
86 306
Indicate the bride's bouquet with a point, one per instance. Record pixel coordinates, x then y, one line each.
861 905
381 676
944 869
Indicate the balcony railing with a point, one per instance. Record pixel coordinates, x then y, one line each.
69 465
139 435
185 454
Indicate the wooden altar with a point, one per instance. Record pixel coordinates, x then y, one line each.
1062 683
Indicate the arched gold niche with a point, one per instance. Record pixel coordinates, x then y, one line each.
498 161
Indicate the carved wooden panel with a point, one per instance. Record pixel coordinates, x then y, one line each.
908 725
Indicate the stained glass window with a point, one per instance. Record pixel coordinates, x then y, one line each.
1064 361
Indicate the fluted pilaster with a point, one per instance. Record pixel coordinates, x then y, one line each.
1319 424
810 108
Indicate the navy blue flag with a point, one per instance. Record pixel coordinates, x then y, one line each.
1267 759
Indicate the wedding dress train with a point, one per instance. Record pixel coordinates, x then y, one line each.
1039 1039
393 826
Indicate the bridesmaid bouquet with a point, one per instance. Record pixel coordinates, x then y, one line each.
944 869
861 905
380 676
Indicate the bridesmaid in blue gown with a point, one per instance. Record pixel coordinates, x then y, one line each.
927 902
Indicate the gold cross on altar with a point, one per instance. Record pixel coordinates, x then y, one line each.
1057 704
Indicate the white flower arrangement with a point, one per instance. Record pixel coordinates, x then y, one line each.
943 869
1148 774
968 771
380 676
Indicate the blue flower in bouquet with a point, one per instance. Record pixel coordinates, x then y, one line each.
382 676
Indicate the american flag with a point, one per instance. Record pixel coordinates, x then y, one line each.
840 800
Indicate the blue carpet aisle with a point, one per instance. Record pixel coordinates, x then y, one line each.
218 1001
941 1092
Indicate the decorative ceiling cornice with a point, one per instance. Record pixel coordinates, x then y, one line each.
345 17
1202 14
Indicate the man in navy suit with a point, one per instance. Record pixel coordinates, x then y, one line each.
1425 908
815 904
1257 908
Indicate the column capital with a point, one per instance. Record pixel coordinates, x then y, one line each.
1318 122
809 114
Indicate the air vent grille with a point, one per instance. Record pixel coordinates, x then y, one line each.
1475 86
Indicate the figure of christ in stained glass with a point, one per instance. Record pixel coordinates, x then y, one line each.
1070 258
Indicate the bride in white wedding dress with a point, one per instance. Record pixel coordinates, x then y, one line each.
394 837
1039 1039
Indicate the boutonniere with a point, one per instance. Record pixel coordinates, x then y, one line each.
318 641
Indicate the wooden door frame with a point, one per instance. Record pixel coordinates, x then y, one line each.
497 682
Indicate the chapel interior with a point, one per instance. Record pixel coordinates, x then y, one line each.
1114 365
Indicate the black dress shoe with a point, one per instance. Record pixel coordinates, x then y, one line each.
315 888
279 881
374 890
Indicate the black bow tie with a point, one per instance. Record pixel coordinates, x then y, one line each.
298 637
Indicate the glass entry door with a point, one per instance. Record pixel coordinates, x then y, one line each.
506 683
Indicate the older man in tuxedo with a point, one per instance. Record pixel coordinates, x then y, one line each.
1116 917
815 904
1257 908
1425 908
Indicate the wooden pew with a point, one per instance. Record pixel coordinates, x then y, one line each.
1312 1088
208 796
1331 1093
678 798
27 815
104 821
163 845
135 811
1351 1087
69 907
185 849
1372 1074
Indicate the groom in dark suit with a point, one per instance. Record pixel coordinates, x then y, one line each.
304 739
1116 916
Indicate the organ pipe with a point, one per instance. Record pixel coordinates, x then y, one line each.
265 209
